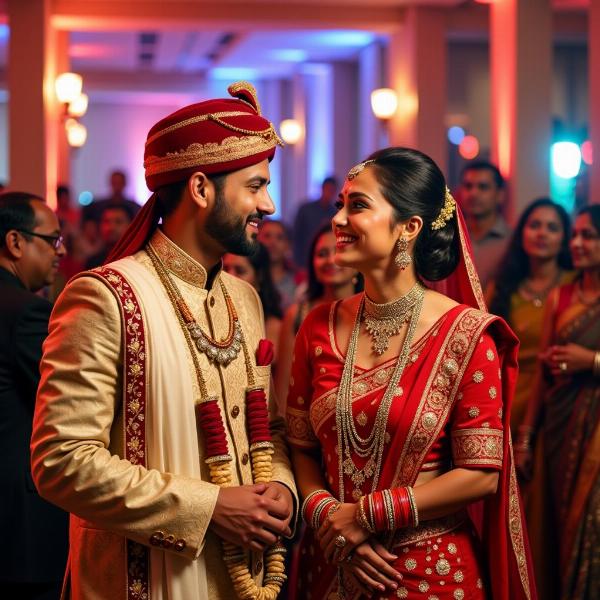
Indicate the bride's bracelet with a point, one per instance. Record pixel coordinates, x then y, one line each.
317 506
387 510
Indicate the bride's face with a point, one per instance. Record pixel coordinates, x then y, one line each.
364 226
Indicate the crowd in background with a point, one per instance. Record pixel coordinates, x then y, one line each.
543 278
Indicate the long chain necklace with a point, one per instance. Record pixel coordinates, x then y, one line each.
382 321
218 458
537 297
349 440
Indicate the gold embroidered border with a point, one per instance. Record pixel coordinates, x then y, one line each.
477 446
177 261
515 524
439 392
198 119
231 148
323 406
134 409
471 271
428 529
299 430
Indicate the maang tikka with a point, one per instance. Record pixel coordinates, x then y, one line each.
403 258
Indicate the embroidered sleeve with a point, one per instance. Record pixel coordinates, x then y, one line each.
476 422
299 429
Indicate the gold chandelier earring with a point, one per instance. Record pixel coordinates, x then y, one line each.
403 258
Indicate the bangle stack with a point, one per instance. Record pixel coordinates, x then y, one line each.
388 510
596 365
317 506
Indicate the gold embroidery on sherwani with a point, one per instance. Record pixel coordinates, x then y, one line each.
440 391
177 261
134 400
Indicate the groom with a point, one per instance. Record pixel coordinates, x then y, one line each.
151 425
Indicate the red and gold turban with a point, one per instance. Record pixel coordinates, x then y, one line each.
215 137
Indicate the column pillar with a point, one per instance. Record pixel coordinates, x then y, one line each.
371 134
417 71
345 118
521 83
594 101
33 111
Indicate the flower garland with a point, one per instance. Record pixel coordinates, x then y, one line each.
218 459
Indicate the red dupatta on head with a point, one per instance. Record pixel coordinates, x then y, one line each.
498 519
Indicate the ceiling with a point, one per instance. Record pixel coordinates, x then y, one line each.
114 49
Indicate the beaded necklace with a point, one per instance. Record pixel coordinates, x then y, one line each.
218 458
348 437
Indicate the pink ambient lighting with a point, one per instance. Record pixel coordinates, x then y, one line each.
469 147
587 152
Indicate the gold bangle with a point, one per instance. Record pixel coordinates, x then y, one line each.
413 506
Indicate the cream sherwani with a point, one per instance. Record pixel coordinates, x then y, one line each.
78 440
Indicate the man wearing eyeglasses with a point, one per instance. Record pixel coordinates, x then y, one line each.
32 562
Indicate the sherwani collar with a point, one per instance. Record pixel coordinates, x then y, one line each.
179 263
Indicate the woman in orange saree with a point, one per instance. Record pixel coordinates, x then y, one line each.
565 408
399 407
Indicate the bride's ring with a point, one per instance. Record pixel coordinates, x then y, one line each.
563 366
340 541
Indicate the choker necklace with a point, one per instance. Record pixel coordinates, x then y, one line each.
382 321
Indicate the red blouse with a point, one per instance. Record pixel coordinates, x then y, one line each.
470 438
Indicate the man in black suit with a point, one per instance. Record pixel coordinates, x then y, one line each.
35 533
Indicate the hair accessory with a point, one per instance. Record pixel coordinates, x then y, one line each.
355 170
403 258
446 212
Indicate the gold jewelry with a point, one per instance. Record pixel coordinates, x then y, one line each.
413 506
446 212
403 258
382 321
349 441
356 169
361 515
537 297
340 541
220 467
218 351
582 298
563 366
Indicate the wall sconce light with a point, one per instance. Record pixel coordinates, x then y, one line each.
68 91
76 133
291 131
78 107
384 103
68 87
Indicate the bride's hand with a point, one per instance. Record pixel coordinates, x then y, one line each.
370 566
340 533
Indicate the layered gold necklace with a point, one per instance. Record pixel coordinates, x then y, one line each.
382 321
219 461
350 443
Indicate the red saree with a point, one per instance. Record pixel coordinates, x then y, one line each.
452 408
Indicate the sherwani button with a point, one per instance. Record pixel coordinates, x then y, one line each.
235 411
258 568
245 458
156 538
212 301
168 541
179 545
